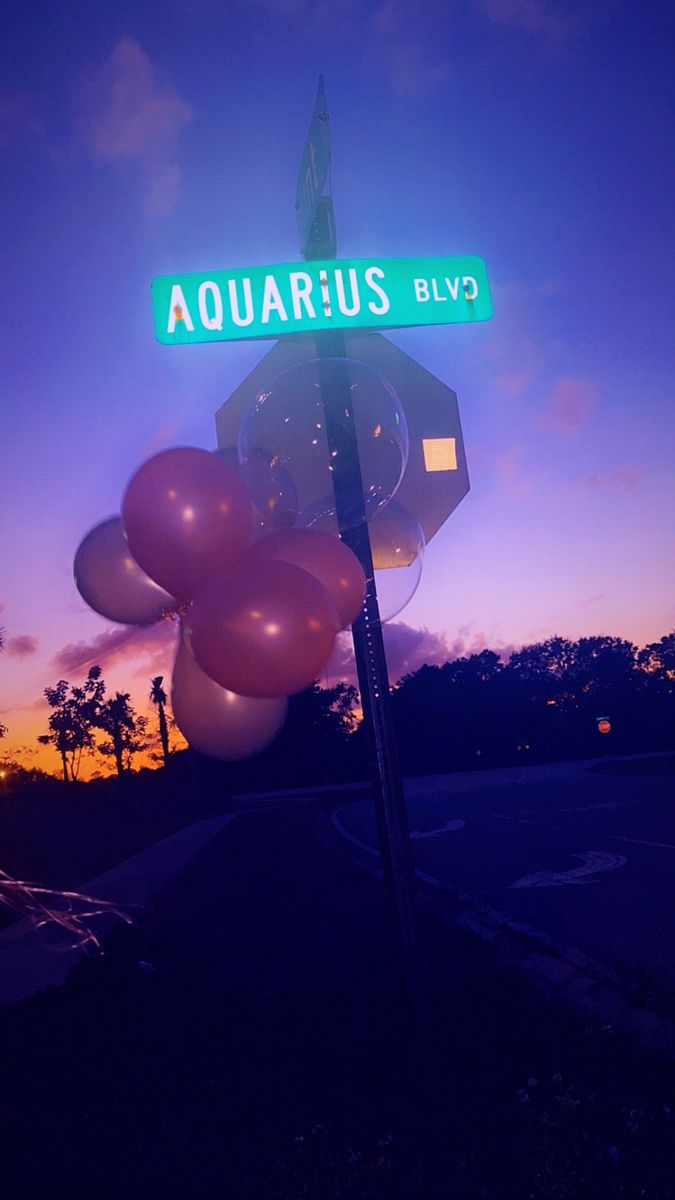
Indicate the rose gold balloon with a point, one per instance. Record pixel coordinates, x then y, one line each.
266 629
187 517
325 557
111 581
217 722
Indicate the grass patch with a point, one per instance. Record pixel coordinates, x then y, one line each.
249 1040
61 834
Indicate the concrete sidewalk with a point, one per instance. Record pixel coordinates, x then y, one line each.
32 959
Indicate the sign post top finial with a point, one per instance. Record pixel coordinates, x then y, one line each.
313 202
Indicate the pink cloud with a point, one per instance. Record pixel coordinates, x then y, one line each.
22 645
158 660
569 405
408 649
539 17
116 645
128 119
470 642
593 599
624 480
413 71
164 436
511 473
409 48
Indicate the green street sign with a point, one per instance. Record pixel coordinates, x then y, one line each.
293 298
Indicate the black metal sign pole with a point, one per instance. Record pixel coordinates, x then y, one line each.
319 242
389 800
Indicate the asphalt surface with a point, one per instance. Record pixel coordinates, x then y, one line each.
587 859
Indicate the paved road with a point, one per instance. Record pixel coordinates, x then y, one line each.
588 859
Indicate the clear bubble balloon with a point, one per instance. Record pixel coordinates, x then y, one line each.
271 489
111 581
321 515
265 629
216 721
397 546
186 515
285 424
325 557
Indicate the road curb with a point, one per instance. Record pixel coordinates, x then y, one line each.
553 967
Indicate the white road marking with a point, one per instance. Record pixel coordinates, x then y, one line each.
592 807
616 837
337 824
449 827
521 820
593 861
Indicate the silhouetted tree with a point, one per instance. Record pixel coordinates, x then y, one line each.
3 728
314 739
448 716
72 723
542 704
159 698
658 658
602 664
15 775
657 662
543 670
116 717
477 669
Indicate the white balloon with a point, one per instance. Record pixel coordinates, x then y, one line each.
111 581
216 721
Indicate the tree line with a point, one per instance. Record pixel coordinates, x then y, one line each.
544 703
550 700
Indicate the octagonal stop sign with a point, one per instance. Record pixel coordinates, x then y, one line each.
436 477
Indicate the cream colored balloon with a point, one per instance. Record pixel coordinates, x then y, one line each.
216 721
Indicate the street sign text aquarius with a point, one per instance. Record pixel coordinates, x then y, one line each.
268 302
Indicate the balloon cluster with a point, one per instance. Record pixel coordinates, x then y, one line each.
261 602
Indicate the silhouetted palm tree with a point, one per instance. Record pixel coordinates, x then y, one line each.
159 697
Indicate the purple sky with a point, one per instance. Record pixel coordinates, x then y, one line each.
140 139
